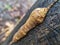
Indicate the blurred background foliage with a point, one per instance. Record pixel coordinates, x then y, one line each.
11 11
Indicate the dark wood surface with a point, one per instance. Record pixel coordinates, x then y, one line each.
47 33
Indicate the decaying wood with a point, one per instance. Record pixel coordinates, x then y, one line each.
36 17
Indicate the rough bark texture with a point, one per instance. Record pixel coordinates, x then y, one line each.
47 33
